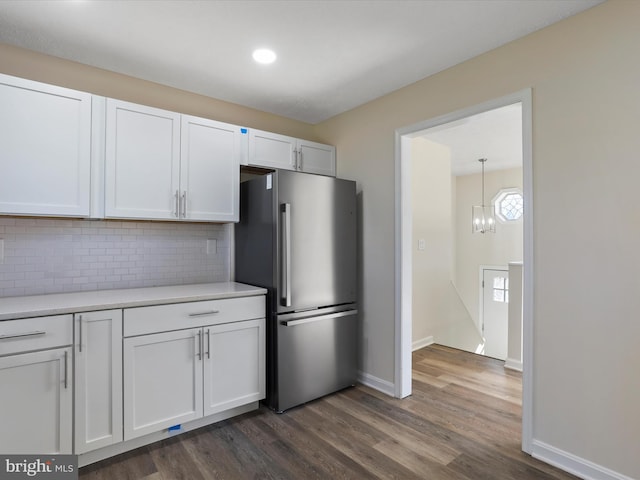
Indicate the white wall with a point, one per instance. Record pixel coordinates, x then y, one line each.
431 219
584 74
475 249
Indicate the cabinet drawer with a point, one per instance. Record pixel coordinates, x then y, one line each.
162 318
35 333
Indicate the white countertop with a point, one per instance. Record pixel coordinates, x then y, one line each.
61 303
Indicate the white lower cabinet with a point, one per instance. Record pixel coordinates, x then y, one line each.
234 367
87 383
36 393
177 376
98 379
162 381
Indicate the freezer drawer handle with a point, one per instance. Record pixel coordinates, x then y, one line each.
203 314
285 211
293 323
18 335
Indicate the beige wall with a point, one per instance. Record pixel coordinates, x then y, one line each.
585 75
431 220
56 71
475 249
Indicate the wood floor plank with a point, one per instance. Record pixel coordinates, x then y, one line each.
171 456
422 444
335 461
211 454
462 422
133 465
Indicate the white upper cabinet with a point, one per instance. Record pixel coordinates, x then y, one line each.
316 158
142 162
165 166
45 149
272 150
210 170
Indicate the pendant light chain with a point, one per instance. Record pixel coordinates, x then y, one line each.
482 160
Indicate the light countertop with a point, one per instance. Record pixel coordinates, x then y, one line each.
62 303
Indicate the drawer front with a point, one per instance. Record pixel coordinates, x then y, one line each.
35 333
163 318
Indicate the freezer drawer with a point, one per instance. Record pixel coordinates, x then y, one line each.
316 356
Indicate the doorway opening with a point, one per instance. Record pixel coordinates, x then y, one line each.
405 247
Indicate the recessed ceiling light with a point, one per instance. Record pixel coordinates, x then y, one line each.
264 56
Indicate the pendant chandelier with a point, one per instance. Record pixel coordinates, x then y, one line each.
482 218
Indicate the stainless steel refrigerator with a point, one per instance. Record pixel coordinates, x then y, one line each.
297 238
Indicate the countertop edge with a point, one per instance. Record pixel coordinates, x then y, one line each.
15 308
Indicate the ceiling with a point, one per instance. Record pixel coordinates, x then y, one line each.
495 135
333 55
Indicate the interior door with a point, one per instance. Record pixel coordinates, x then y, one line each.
495 314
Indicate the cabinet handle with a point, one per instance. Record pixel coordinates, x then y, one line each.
177 195
79 333
18 335
184 204
66 362
202 314
208 343
300 159
200 345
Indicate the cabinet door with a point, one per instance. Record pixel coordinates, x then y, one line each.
98 379
36 399
45 149
142 162
316 158
272 150
210 170
234 367
162 381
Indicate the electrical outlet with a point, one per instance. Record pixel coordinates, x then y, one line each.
212 246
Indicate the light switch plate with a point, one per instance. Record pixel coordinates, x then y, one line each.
422 244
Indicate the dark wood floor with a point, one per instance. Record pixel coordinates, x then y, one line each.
462 421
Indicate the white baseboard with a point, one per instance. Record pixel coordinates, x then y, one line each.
573 464
512 364
423 342
377 383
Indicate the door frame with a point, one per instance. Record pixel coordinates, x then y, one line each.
403 253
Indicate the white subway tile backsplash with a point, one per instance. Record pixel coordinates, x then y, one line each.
67 255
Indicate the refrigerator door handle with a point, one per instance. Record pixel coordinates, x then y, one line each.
285 275
293 323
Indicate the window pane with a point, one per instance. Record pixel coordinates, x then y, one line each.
498 295
498 282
